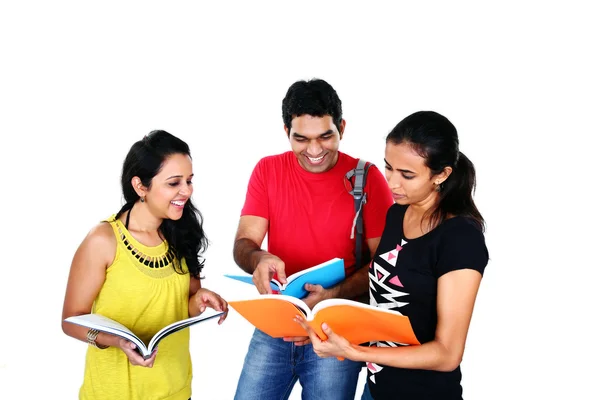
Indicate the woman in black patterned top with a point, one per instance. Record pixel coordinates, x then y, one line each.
428 265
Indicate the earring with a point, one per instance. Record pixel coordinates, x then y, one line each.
142 199
438 187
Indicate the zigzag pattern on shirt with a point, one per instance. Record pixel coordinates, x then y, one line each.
378 278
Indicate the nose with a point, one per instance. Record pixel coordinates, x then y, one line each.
186 190
393 180
314 149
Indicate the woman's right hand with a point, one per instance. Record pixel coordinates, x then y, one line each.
134 357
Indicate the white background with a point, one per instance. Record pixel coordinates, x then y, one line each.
81 82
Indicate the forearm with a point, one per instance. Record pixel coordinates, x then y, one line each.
429 356
246 254
80 333
193 307
353 286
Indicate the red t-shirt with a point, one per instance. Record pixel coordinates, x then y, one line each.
310 215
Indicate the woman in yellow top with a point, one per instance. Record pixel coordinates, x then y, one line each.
141 267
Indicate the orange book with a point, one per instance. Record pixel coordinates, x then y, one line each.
357 322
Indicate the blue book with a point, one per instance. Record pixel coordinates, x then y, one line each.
327 274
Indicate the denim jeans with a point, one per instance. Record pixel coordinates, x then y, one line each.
272 367
366 392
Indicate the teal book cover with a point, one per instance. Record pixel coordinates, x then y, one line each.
327 274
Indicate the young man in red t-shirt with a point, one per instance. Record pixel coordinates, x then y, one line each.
300 198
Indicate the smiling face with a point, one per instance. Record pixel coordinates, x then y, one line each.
409 179
171 188
315 142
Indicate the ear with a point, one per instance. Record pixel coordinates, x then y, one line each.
442 176
140 189
342 128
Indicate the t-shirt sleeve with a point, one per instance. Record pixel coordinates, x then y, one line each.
379 200
462 247
257 199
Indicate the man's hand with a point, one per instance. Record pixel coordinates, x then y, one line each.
267 266
317 293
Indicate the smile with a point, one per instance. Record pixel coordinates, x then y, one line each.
317 160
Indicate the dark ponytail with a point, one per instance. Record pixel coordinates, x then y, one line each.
435 139
456 194
185 236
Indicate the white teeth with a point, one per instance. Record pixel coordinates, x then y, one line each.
316 159
178 203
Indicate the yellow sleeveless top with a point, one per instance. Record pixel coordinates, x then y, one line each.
143 292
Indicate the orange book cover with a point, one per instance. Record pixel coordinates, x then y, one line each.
357 322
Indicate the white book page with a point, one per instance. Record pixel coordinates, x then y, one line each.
175 326
280 285
102 323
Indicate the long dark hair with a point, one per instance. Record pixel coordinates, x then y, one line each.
435 139
185 236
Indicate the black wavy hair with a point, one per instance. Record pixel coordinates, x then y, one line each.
185 236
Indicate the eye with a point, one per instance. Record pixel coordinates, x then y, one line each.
300 139
174 184
189 182
388 167
408 177
326 137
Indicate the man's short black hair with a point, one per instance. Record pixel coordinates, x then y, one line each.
315 97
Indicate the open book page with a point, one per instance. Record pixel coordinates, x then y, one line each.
104 324
209 313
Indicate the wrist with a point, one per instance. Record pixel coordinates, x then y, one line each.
98 339
355 353
335 292
255 257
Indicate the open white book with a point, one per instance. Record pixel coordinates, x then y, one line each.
104 324
326 274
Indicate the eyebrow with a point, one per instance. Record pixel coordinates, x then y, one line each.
177 176
297 135
406 171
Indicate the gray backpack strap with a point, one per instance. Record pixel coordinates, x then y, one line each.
360 198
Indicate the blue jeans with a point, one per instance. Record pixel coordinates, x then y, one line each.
272 367
366 392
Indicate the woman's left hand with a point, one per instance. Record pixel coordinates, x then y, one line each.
334 346
207 298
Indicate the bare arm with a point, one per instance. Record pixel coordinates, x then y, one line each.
250 235
86 277
357 283
251 258
350 288
457 291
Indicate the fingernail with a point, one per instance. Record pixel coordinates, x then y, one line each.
325 326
